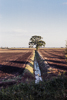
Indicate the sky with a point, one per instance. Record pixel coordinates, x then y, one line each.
22 19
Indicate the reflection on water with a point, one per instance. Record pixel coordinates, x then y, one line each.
37 72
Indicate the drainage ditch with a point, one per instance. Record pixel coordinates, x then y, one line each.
37 71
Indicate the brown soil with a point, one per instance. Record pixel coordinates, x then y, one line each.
55 58
12 62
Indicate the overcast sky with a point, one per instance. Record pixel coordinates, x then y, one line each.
21 19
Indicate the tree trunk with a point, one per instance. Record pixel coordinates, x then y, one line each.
37 47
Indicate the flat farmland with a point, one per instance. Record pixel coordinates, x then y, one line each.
13 61
56 59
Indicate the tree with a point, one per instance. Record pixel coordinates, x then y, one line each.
36 40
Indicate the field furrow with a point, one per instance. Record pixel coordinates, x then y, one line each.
12 63
55 58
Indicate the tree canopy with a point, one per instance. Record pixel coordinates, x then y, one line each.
37 41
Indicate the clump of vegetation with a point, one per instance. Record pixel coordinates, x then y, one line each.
37 41
55 89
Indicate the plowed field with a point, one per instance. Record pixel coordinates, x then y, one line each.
55 58
13 62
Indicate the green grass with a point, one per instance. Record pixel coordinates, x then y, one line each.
55 89
15 79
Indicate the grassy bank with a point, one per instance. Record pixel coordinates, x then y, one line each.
55 89
41 66
28 74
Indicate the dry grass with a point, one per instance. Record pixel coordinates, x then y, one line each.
29 69
31 64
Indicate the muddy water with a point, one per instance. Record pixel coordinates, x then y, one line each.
37 72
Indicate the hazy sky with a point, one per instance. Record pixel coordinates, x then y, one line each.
21 19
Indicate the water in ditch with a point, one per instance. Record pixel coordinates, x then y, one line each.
38 77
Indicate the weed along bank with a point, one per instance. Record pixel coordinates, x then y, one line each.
27 74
